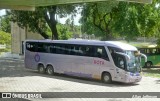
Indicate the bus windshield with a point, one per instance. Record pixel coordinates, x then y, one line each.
133 65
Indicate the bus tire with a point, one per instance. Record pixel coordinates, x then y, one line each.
106 77
50 70
148 64
41 68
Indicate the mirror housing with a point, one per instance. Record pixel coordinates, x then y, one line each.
145 57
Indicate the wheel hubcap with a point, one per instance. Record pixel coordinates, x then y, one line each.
148 64
50 71
41 69
106 78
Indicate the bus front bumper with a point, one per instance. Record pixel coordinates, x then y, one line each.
133 77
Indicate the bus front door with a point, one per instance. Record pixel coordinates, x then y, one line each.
120 63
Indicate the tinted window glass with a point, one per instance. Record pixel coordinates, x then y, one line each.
101 53
113 49
68 49
60 49
43 47
31 46
120 61
150 51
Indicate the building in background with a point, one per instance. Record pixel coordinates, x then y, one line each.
18 36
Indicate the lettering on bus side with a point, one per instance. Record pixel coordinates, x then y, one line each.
98 62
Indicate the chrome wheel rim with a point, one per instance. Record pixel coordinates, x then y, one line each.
106 78
49 70
41 69
148 64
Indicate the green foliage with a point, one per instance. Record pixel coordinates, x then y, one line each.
64 32
42 18
5 24
122 19
97 19
34 21
133 20
5 38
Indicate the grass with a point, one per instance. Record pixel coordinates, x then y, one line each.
151 72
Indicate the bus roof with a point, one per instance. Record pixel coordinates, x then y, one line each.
117 44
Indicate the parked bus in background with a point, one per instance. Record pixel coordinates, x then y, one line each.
105 60
153 56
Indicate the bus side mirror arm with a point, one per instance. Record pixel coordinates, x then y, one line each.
145 57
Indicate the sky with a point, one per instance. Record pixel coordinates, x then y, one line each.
61 20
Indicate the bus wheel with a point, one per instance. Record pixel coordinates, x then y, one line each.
148 64
50 70
106 78
41 68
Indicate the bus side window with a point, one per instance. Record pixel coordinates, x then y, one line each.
157 51
120 62
60 49
67 49
154 51
101 53
46 47
43 47
72 52
82 50
142 51
89 51
52 49
150 51
31 46
76 50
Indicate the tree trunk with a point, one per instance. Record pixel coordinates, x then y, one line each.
44 35
53 23
108 35
54 31
50 14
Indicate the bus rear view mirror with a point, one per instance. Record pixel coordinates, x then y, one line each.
145 57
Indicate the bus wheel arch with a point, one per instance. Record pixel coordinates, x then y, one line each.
106 77
49 69
41 68
148 64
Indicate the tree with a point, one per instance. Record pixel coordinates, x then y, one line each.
5 24
133 20
123 19
64 32
42 18
98 15
5 38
